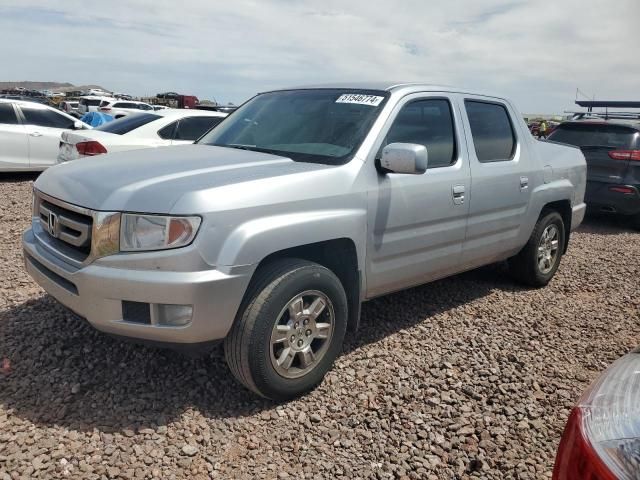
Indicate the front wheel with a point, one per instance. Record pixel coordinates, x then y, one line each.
289 330
538 261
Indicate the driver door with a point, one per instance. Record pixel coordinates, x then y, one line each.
417 222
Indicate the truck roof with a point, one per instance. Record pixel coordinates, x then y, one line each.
391 87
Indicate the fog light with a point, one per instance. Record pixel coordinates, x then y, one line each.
174 315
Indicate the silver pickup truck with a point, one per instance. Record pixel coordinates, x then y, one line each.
276 225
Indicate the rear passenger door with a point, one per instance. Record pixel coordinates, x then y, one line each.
14 146
500 177
417 222
44 127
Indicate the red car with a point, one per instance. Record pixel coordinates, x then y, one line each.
602 438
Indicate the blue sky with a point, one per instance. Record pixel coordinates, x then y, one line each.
537 53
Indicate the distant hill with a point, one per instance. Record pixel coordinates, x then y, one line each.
62 86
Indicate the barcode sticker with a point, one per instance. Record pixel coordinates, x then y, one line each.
360 99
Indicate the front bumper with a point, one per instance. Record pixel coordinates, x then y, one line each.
601 198
96 292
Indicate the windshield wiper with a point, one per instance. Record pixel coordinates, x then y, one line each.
239 146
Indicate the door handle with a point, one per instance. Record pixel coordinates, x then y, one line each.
524 183
35 134
458 194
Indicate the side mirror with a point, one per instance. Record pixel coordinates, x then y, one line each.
78 125
409 158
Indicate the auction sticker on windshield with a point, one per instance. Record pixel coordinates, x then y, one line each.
360 99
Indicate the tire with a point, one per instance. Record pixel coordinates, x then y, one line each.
635 221
526 266
250 349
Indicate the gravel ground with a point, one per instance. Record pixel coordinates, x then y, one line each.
467 377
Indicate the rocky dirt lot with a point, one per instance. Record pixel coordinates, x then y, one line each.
472 376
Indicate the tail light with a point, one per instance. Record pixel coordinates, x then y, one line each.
622 189
625 155
105 109
602 438
90 148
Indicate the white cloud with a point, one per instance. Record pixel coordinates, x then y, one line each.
535 52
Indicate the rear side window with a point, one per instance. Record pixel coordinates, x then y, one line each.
596 135
192 128
166 132
7 114
45 118
128 123
104 103
428 123
491 130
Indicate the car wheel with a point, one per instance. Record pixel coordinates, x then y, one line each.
289 329
635 221
537 262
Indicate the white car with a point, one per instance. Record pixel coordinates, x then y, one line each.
98 92
91 103
120 108
139 130
30 134
69 106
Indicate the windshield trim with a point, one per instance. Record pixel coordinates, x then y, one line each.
308 157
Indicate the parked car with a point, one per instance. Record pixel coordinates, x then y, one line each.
612 149
601 440
98 92
272 229
139 130
25 98
121 108
167 95
90 103
70 106
30 134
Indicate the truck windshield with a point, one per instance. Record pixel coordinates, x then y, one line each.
319 125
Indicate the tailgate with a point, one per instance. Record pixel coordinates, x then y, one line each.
601 167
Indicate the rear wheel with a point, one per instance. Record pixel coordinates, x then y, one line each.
635 221
538 261
289 330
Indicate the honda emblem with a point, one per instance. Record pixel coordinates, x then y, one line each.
52 225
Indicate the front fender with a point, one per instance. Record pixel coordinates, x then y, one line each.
255 239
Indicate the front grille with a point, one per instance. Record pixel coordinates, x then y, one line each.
67 228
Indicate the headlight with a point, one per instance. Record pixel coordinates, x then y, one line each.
156 232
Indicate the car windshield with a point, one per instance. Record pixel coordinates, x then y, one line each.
595 135
319 125
128 123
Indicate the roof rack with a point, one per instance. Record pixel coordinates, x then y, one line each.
590 104
605 115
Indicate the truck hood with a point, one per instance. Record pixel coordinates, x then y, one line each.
154 180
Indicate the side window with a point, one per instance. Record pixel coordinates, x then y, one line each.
192 128
166 132
7 114
43 117
491 130
428 123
